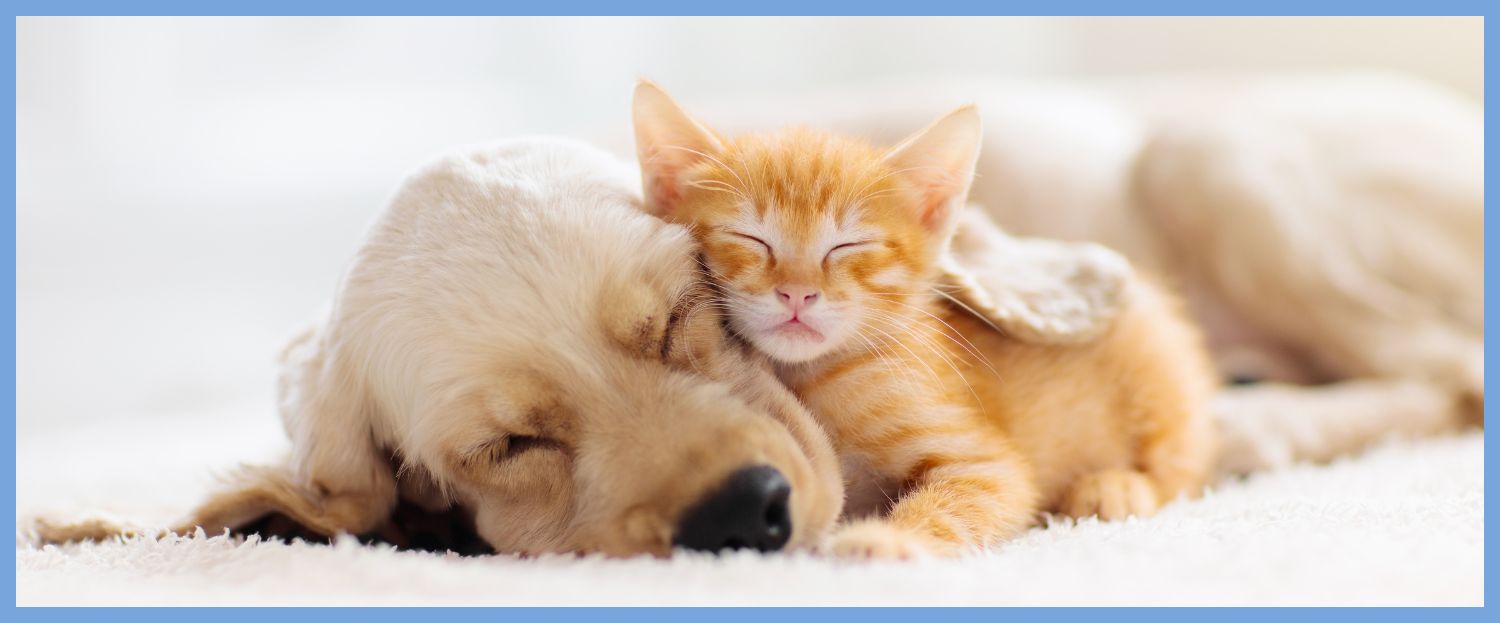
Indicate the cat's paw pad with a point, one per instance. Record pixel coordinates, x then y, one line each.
871 540
1111 495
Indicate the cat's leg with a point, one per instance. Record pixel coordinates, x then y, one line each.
1162 406
963 490
1174 456
1173 460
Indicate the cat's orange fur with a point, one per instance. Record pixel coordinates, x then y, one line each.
952 435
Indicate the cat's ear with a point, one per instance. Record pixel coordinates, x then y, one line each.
667 142
939 161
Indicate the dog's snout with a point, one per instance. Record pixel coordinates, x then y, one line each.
749 510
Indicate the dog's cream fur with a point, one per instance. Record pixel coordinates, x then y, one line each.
1327 231
517 337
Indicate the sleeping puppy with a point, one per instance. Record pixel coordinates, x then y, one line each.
518 340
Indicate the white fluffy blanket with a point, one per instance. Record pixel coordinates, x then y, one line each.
1402 524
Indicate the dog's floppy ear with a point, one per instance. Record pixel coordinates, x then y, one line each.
249 495
254 492
1036 290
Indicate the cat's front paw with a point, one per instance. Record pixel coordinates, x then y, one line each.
1112 494
876 540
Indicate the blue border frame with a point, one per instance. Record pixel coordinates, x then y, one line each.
698 7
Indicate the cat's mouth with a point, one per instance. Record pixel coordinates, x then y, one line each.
797 329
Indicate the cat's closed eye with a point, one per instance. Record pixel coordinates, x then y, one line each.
769 251
841 249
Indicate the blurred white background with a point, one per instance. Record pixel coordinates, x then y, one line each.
188 190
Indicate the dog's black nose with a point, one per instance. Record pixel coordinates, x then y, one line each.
748 510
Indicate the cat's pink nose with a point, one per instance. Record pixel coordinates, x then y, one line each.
796 298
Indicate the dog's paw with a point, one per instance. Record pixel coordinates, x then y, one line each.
876 540
1246 449
1110 495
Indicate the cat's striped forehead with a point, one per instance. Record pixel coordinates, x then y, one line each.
805 192
805 176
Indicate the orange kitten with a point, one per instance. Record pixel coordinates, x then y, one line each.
951 434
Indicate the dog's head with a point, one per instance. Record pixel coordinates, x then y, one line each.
608 409
519 341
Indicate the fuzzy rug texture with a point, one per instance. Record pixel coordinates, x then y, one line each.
1401 524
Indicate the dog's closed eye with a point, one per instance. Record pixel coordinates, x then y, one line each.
517 445
508 448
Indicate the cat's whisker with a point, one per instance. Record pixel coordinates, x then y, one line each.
718 186
933 345
886 360
953 335
861 197
918 292
896 324
876 195
870 346
716 278
936 378
909 380
934 348
880 178
923 290
983 318
714 160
